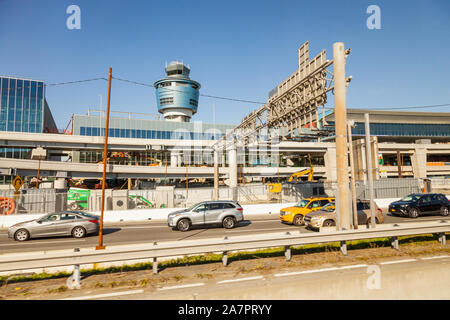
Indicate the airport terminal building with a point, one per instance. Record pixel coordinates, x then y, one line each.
421 138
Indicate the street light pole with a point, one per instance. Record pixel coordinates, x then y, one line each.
105 155
352 174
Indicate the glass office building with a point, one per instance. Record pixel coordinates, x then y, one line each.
23 105
23 108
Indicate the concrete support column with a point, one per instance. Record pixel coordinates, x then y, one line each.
232 173
216 174
224 160
330 164
174 159
419 162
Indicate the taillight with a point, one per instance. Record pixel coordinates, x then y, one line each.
93 221
240 209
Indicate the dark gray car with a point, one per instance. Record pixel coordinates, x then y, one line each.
225 213
67 223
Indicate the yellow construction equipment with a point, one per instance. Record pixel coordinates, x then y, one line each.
294 178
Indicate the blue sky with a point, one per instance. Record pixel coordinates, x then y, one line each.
238 49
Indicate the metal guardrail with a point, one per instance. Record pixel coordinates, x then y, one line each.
15 262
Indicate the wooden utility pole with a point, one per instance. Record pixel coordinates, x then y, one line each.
105 155
340 90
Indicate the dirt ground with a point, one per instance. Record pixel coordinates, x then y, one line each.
53 289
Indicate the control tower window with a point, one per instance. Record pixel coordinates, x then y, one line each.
181 84
164 101
193 102
169 73
194 86
166 84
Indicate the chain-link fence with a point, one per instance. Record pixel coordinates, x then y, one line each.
389 188
32 201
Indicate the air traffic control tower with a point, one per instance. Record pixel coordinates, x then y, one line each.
177 95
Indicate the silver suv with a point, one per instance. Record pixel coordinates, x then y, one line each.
226 213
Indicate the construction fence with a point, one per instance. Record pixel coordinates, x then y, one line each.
50 200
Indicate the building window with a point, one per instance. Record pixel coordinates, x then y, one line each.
165 84
164 101
193 102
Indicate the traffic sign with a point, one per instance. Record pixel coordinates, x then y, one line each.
17 183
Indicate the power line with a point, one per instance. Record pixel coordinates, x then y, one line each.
400 108
72 82
49 84
203 95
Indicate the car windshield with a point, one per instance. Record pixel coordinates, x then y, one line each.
302 204
192 208
330 207
84 214
411 197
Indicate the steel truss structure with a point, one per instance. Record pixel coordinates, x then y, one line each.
294 104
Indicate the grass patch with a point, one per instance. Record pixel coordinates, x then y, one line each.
332 247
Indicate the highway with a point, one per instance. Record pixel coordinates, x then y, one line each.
150 231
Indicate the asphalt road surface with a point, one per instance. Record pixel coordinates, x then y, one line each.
150 231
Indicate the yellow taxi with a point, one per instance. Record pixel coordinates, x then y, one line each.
295 214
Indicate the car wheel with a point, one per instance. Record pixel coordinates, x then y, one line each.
298 220
444 211
22 235
369 221
183 225
329 223
229 223
413 213
78 232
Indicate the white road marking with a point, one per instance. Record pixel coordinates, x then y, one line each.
241 279
303 272
354 266
435 257
182 286
321 270
398 261
165 225
106 295
40 242
256 230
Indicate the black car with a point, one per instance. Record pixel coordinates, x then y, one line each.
417 204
